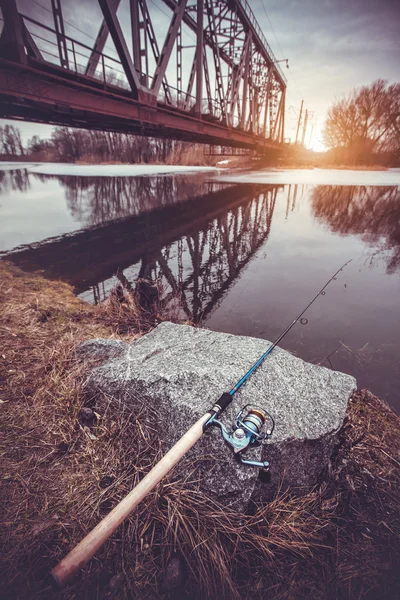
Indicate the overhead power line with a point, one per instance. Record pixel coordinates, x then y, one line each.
272 28
277 41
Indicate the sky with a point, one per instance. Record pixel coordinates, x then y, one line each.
332 46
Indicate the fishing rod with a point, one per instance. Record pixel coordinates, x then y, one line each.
250 429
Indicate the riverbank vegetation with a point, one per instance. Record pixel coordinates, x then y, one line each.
63 466
68 144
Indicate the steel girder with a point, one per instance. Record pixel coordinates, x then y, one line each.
228 77
245 88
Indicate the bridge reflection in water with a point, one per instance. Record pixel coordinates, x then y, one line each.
199 267
192 248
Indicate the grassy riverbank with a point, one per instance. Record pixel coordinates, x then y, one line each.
60 472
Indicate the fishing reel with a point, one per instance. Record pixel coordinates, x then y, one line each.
249 430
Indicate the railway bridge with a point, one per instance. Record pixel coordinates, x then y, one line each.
203 73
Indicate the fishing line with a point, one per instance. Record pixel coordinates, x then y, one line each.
282 335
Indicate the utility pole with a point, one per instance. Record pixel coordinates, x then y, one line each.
299 121
304 128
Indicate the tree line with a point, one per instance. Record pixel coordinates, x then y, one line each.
364 126
68 144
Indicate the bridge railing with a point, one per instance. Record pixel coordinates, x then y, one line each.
109 71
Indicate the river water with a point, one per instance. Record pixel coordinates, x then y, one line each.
238 252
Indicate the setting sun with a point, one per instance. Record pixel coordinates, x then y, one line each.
317 144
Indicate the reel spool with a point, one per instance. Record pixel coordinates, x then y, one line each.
249 430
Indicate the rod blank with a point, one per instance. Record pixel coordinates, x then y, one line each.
282 335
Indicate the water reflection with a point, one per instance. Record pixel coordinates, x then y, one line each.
196 270
193 247
91 201
97 200
14 180
193 250
373 212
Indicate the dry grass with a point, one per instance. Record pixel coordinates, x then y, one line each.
59 475
137 311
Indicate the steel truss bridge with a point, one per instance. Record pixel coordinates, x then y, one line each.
208 76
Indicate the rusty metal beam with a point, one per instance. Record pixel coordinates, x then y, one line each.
246 79
267 104
199 59
30 93
168 45
237 76
189 90
217 58
99 44
136 42
30 43
151 37
282 131
115 30
60 33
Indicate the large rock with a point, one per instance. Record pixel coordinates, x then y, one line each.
183 370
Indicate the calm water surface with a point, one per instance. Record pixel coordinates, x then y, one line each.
243 258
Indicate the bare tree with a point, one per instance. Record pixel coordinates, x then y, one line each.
366 122
11 142
71 145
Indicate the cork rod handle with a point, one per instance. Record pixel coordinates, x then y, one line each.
79 555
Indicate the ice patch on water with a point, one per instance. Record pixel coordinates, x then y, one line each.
102 170
14 166
391 177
